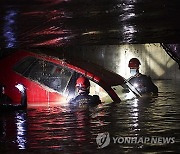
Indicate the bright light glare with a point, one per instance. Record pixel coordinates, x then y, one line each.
20 87
8 29
135 85
130 95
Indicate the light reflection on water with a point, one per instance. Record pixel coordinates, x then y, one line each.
68 22
9 29
75 130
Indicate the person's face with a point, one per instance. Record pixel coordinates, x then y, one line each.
133 71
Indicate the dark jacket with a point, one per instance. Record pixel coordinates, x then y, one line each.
143 84
85 100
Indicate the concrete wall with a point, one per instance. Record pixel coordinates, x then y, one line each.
154 60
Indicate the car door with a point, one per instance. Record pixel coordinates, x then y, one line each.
51 80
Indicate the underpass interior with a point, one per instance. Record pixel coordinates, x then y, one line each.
155 62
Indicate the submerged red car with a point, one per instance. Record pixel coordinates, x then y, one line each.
50 80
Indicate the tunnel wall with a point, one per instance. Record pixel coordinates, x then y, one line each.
154 60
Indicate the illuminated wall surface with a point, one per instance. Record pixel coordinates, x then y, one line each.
154 60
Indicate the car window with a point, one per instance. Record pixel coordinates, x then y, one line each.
95 89
51 75
22 66
70 91
124 92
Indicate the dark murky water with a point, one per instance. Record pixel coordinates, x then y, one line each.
52 23
60 129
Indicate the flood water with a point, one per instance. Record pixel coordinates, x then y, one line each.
61 129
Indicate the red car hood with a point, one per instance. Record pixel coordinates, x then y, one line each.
110 77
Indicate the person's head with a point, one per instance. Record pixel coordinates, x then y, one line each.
134 66
82 85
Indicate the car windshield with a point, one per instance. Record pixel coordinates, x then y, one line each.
95 89
51 75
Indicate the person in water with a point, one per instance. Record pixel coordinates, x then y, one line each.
6 104
3 96
83 98
141 82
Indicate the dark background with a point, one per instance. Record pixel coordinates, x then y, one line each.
52 23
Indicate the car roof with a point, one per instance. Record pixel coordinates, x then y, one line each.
106 75
103 74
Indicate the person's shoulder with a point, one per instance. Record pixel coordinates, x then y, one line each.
144 76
